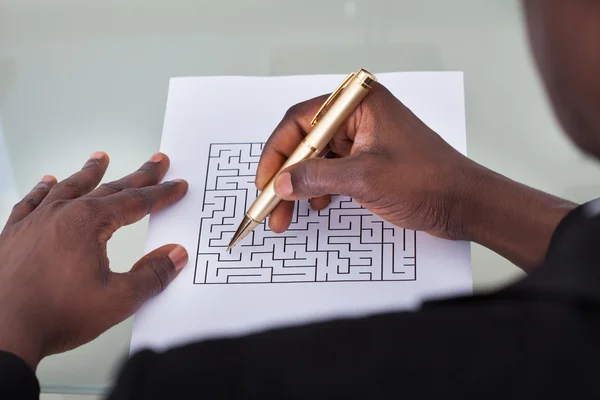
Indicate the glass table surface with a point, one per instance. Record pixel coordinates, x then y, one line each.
80 76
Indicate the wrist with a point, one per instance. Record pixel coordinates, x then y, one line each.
22 352
512 219
15 340
465 201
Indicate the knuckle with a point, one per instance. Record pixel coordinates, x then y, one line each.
80 216
131 192
113 187
379 97
21 205
292 111
91 204
310 175
370 111
141 196
58 205
169 194
308 179
162 273
30 202
302 109
71 187
42 187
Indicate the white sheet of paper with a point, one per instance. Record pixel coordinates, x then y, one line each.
341 262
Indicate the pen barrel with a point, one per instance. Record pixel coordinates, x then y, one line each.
339 111
337 114
267 200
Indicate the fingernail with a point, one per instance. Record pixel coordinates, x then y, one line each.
178 180
283 185
47 179
98 155
179 257
157 157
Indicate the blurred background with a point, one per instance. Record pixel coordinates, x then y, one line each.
83 75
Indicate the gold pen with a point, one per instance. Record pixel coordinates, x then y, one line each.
332 114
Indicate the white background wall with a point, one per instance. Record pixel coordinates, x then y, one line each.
8 190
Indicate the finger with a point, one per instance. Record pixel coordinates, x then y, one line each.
320 203
81 182
296 124
131 205
285 138
148 174
281 217
32 200
318 177
149 276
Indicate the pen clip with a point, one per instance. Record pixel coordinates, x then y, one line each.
331 98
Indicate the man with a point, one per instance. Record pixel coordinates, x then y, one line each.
537 339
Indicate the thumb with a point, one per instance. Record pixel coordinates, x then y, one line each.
321 176
153 273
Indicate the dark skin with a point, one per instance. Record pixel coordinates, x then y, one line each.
394 165
57 290
564 37
387 159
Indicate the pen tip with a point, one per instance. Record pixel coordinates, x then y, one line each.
247 226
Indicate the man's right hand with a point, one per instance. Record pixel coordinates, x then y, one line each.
385 158
393 164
